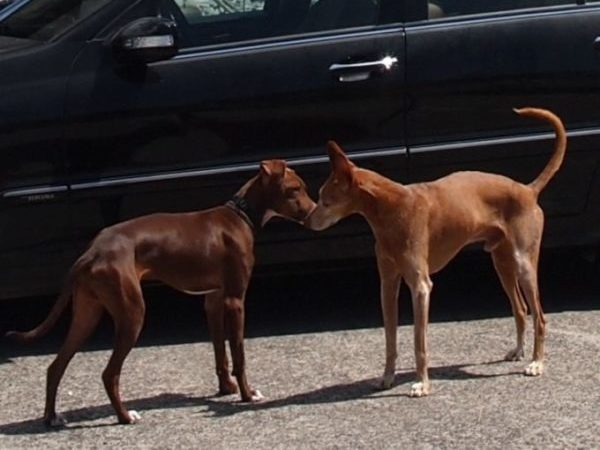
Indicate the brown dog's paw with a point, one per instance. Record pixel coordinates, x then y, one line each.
228 388
55 421
256 396
132 417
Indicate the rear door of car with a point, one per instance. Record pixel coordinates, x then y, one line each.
253 80
470 63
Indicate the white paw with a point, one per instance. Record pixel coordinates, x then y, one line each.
419 389
516 354
257 396
134 416
535 369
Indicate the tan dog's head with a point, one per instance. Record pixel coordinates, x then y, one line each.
286 191
336 199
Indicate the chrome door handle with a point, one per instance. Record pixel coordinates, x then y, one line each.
385 63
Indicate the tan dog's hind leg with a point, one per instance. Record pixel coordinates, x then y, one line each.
420 286
506 266
86 315
529 284
390 285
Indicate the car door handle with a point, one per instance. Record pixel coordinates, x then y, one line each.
362 70
597 44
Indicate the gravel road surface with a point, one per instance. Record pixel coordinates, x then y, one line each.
319 393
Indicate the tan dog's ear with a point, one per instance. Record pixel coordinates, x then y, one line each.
341 166
272 169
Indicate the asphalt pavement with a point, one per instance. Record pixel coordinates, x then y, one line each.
315 350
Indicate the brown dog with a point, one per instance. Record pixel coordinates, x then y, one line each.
420 227
207 252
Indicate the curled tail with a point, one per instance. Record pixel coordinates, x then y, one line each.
560 145
63 299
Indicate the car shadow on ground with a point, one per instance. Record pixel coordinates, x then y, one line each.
220 407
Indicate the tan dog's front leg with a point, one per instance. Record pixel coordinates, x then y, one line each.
390 285
421 291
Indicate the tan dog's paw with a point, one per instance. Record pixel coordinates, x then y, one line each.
419 389
55 422
516 354
386 382
535 369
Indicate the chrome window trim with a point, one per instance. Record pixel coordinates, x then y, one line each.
196 52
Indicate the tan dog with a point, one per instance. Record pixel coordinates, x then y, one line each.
206 252
420 227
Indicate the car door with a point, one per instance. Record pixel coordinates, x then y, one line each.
272 79
33 186
470 63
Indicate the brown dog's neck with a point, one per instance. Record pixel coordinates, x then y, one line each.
248 204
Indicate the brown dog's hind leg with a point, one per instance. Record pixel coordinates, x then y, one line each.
86 315
506 266
215 314
128 315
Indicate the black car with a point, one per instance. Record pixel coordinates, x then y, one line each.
111 109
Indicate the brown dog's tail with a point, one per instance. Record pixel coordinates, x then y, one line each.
560 145
28 336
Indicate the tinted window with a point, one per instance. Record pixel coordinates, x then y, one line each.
210 22
41 20
439 9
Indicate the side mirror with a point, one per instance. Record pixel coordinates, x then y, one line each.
146 40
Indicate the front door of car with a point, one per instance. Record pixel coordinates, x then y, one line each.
470 63
34 213
273 79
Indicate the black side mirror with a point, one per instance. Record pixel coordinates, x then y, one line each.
146 40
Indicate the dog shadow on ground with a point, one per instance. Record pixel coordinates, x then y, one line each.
362 389
220 407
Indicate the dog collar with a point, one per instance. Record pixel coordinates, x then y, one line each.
241 207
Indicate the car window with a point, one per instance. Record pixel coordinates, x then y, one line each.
439 9
212 22
41 20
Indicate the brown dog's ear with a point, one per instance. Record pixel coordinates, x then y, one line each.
341 166
272 169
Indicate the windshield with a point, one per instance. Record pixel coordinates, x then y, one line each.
41 20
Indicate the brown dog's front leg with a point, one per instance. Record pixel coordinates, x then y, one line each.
215 313
235 316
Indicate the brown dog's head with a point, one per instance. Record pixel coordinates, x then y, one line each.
285 192
335 196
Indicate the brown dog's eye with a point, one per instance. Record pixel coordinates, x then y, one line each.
292 192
